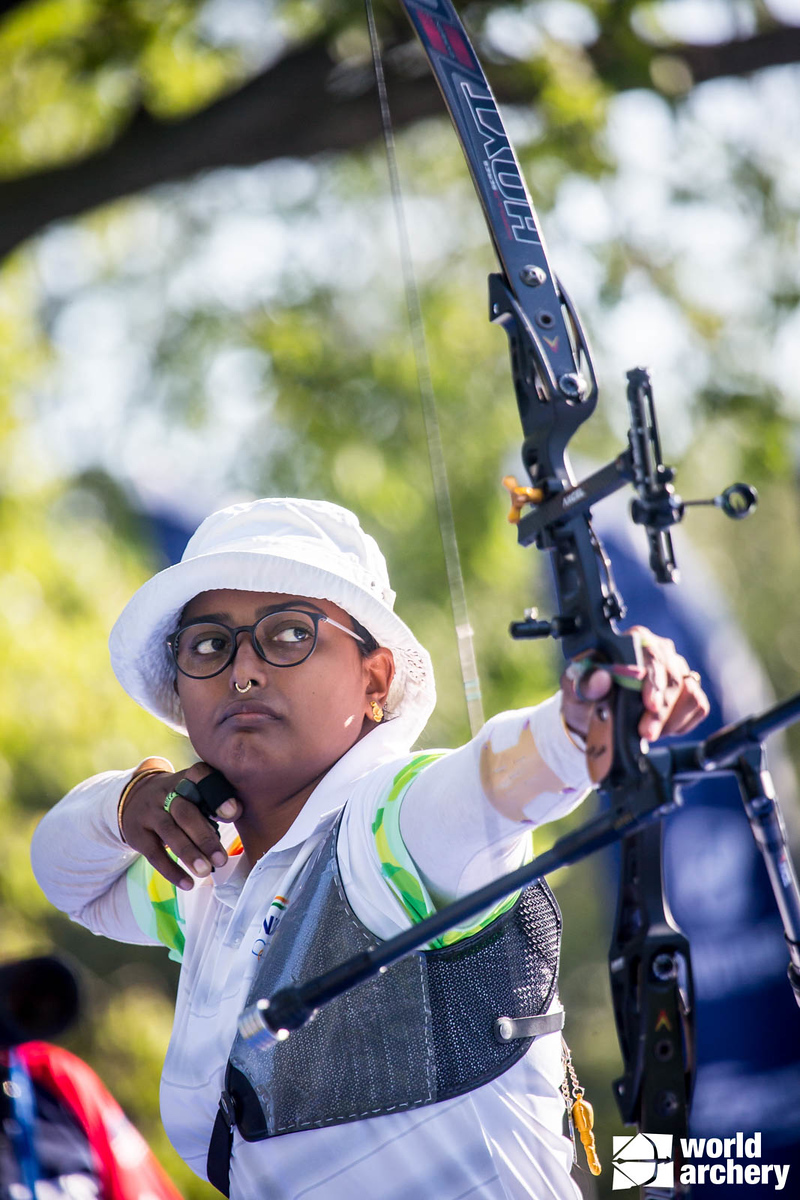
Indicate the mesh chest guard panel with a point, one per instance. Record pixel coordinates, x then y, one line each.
421 1032
508 969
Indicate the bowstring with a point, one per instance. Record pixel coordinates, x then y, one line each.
444 507
433 436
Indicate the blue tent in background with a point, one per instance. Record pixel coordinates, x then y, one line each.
748 1023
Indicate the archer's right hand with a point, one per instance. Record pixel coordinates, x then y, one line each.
147 827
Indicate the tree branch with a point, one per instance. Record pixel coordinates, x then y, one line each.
7 6
773 48
305 105
623 60
301 106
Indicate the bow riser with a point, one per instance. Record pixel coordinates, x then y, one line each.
549 418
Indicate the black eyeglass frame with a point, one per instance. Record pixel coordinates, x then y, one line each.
315 617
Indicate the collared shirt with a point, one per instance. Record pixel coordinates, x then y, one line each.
502 1140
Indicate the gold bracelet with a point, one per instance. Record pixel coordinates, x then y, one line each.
129 786
573 735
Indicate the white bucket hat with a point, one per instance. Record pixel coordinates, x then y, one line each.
299 547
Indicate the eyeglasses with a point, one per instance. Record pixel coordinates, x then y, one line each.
285 638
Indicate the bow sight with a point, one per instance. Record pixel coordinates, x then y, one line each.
657 506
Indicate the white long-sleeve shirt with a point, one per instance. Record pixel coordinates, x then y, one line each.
465 818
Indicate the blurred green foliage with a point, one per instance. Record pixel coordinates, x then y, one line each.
73 72
69 562
333 412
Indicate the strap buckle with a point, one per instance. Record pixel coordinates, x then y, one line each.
509 1029
226 1109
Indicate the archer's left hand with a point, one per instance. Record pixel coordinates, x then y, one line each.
672 693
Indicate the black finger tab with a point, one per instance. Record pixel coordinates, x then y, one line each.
215 790
196 795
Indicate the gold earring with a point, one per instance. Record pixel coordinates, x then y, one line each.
377 712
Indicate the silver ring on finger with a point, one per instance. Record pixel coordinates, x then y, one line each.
577 670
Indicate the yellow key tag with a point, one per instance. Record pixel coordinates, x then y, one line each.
583 1116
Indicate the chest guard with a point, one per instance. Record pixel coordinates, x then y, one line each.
434 1025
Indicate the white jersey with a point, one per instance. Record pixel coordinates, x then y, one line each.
464 819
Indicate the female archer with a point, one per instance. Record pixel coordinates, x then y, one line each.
274 645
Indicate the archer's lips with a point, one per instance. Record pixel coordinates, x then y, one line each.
250 712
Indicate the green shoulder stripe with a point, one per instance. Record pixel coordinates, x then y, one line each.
400 870
154 901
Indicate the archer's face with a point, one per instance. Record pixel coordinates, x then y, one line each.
293 723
